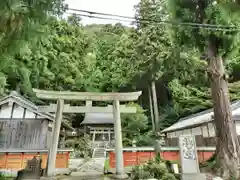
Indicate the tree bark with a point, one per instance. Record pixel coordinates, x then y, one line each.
155 107
151 108
227 149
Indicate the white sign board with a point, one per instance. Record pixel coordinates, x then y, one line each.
188 153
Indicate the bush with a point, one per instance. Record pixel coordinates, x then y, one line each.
81 147
158 170
210 162
152 169
4 177
168 176
139 173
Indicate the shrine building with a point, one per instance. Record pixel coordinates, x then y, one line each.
99 126
23 126
201 125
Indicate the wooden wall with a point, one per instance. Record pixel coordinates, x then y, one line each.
204 133
200 141
22 128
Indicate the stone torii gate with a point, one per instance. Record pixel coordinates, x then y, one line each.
60 96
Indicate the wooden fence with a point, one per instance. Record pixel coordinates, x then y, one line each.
17 161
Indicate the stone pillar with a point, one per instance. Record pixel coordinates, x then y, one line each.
54 145
118 141
134 143
85 130
109 135
94 134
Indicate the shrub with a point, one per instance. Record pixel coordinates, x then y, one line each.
152 169
81 147
139 173
4 177
168 176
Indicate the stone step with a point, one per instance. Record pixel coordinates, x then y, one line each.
98 152
99 155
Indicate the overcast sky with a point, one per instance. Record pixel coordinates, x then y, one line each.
119 7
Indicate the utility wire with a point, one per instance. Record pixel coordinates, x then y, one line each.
121 20
99 17
150 23
154 20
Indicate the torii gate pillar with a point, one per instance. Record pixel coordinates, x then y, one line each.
55 137
118 140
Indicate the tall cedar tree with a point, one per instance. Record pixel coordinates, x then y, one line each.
215 45
22 22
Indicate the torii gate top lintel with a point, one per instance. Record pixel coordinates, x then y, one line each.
84 96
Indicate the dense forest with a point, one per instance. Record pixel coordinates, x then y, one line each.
63 54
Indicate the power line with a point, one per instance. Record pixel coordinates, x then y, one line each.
149 23
99 17
154 20
104 14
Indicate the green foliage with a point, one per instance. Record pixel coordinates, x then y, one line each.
152 169
63 63
188 98
168 176
134 126
153 45
22 24
145 139
42 51
81 147
5 177
58 63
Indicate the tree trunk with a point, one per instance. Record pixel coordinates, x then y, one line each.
151 108
155 107
227 142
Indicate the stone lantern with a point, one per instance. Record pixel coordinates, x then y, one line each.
159 142
134 143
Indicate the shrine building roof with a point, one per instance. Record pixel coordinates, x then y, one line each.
98 118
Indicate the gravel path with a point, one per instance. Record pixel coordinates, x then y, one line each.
90 177
93 166
86 169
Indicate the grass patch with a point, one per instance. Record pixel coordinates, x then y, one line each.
5 177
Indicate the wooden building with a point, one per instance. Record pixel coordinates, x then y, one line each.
99 126
22 126
201 125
